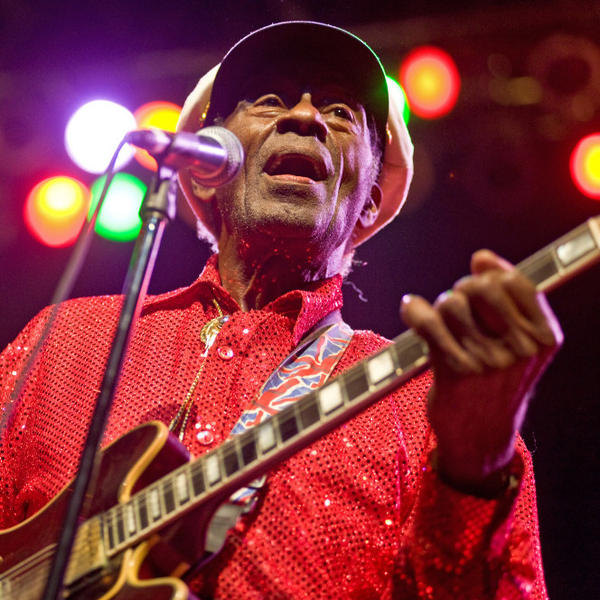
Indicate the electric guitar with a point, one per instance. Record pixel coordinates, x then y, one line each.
150 490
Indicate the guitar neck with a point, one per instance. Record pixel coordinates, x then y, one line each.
217 474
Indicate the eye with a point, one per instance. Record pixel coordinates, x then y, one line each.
269 100
340 111
343 113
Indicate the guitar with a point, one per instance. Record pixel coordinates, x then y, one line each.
150 489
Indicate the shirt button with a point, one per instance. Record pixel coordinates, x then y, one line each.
225 352
205 437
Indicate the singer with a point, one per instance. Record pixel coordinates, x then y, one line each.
429 493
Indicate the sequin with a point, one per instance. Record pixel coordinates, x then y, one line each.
225 352
205 437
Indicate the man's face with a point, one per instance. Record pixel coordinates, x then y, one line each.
308 168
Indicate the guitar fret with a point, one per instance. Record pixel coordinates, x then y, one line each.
181 488
540 268
410 350
130 518
213 469
168 496
143 511
197 479
381 366
356 383
247 443
575 248
108 525
120 524
266 437
154 503
288 426
309 411
230 459
331 397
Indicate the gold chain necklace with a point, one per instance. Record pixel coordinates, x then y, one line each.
208 334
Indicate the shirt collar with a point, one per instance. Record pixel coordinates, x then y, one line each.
306 307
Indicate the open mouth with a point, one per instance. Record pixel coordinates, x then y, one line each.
296 166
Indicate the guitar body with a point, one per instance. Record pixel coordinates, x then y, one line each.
132 462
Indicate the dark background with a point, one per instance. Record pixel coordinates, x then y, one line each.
494 173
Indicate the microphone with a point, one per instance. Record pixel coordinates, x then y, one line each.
214 154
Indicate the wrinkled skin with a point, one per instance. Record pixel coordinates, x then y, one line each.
490 338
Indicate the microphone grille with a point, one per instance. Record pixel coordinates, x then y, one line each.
233 151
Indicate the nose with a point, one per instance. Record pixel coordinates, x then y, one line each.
303 119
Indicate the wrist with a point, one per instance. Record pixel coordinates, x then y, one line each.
490 483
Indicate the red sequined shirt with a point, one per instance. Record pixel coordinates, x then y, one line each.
357 515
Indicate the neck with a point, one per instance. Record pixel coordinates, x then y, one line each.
258 273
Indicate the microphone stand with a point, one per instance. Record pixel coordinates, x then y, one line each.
157 209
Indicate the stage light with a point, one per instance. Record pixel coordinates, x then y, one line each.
119 218
162 115
568 68
395 90
93 133
431 81
55 210
585 166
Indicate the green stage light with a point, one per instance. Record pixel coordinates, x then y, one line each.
395 90
119 218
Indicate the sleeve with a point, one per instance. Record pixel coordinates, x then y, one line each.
461 546
14 451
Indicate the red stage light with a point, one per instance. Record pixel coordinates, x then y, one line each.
585 166
431 81
55 210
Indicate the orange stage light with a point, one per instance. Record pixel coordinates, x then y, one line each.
161 115
585 166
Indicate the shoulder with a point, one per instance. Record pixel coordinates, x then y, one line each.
365 342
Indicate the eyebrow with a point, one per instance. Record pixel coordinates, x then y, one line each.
288 89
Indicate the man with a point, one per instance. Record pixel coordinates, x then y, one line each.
421 496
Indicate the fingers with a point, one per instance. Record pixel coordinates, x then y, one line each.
419 315
531 305
505 305
489 319
490 349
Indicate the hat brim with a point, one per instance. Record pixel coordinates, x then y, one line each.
314 43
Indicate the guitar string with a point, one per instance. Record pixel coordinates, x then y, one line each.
39 562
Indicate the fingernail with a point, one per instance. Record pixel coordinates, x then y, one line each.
407 298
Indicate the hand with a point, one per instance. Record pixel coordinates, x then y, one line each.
490 339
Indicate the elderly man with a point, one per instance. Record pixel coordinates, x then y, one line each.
427 494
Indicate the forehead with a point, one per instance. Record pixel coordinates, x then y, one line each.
294 78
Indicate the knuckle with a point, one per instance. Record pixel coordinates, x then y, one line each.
449 302
515 280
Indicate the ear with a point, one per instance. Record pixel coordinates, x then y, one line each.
370 210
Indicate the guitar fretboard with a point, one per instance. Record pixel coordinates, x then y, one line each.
246 456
